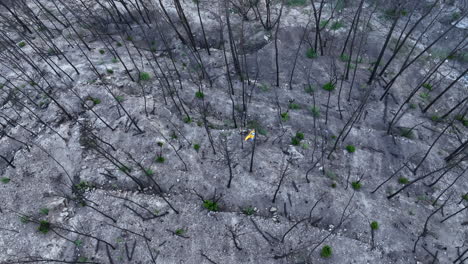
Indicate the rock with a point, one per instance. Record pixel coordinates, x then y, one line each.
295 155
273 209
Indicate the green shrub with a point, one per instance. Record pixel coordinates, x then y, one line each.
83 185
328 87
326 251
296 2
356 185
294 106
435 118
324 23
119 44
119 98
160 159
129 38
344 58
351 148
285 116
5 180
337 25
300 135
412 106
249 210
187 120
427 86
179 231
21 44
264 87
465 197
295 141
403 180
406 132
311 53
102 51
211 205
44 226
25 219
333 185
144 76
196 147
374 225
199 95
309 89
315 111
424 95
149 172
114 60
44 211
96 100
110 71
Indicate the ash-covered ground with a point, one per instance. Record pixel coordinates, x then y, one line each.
123 126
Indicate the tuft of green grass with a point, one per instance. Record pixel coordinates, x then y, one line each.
144 76
315 110
403 180
82 259
114 60
333 185
324 23
25 219
44 226
406 132
96 100
435 118
424 95
21 44
83 185
149 172
102 51
78 242
465 197
296 2
311 53
427 86
179 231
350 148
309 89
199 95
326 251
160 144
328 87
211 205
110 71
295 141
5 180
187 120
129 38
196 147
412 106
119 98
44 211
264 87
344 58
374 225
299 135
249 210
294 106
160 159
356 185
125 169
285 116
337 25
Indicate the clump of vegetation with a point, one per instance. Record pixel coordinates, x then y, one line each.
187 120
249 210
285 116
315 111
211 205
406 132
125 169
44 226
311 53
403 180
21 44
179 231
264 87
114 60
83 185
374 225
337 25
294 106
44 211
326 251
435 118
465 197
196 147
333 185
120 98
328 87
344 58
424 95
110 71
5 180
309 89
144 76
149 172
350 148
296 2
95 100
296 140
427 86
199 95
160 159
462 119
102 51
25 219
356 185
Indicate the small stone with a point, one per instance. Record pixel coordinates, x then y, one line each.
273 209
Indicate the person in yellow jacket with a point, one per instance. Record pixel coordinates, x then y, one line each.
250 136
